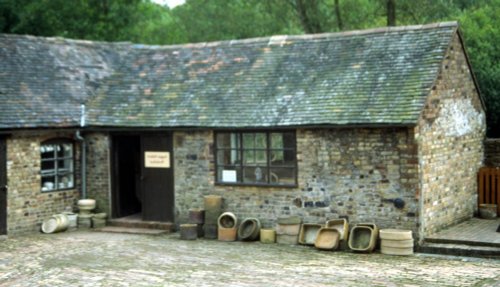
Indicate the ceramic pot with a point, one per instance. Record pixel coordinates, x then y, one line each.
85 206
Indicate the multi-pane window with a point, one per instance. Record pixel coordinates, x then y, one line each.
57 165
256 158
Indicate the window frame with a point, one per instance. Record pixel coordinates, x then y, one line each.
57 172
268 150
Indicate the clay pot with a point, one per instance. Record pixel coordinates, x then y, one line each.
249 229
488 211
267 236
189 231
55 223
85 206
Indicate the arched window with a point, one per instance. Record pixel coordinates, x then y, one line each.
57 166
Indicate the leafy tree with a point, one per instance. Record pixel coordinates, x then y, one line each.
481 28
142 21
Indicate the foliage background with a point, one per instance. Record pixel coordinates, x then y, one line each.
142 21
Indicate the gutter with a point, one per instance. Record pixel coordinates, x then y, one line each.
83 167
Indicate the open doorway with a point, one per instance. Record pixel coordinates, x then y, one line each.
127 171
3 186
143 183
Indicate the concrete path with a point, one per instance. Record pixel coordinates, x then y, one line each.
108 259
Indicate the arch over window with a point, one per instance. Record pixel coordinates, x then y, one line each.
57 165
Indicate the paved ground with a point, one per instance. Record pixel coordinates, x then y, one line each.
474 230
106 259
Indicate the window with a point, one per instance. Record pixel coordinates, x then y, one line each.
57 165
255 158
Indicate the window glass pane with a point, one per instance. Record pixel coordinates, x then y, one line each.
283 175
261 157
47 151
59 150
223 140
283 158
289 140
277 157
277 140
48 183
228 140
70 180
67 150
249 157
248 140
64 181
48 166
64 165
228 157
260 140
255 174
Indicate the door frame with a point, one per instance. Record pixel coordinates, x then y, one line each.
3 185
115 173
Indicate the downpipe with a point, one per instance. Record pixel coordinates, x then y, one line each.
83 147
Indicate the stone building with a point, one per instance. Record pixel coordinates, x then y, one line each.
383 125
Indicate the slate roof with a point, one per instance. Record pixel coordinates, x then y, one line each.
43 81
371 77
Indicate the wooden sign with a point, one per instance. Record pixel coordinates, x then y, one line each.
156 159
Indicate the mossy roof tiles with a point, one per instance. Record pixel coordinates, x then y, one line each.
371 77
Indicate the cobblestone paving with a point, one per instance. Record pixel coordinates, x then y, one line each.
105 259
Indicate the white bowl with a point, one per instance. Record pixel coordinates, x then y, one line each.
86 205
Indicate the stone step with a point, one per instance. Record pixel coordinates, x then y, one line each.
463 242
458 249
132 230
166 226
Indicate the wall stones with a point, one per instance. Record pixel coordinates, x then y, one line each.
492 152
450 135
27 206
98 171
342 173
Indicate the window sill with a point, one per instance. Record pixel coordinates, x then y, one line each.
56 190
241 184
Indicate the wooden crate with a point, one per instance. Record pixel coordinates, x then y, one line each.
489 186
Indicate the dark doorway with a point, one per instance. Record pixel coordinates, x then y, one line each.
3 186
143 176
127 172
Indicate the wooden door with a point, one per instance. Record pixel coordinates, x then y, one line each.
157 181
3 186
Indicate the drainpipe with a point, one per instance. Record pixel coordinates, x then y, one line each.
83 153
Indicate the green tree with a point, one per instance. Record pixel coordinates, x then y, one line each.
481 29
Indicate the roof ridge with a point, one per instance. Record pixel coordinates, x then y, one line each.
282 39
59 39
270 40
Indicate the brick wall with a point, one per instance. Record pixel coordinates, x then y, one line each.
98 170
27 206
342 172
450 135
492 152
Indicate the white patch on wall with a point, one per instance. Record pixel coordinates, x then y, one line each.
459 117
